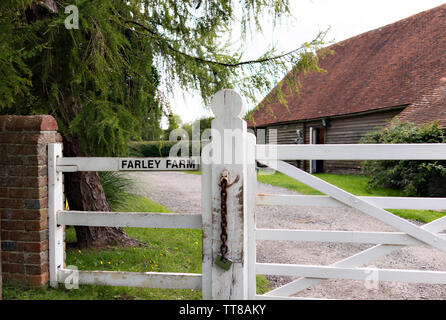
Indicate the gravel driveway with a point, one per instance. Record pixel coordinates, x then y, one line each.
181 192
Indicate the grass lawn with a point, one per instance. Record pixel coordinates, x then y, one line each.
165 250
355 184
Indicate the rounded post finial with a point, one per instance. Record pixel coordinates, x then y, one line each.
228 101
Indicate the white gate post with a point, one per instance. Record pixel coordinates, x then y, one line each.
230 148
55 204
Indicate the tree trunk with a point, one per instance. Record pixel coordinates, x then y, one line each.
85 193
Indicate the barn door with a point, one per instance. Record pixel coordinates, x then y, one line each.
313 140
316 137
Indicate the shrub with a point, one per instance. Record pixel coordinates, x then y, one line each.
414 177
117 188
155 148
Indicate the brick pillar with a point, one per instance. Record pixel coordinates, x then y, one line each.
24 197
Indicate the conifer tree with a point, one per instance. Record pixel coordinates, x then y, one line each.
100 81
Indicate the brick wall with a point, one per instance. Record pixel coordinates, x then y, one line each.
24 197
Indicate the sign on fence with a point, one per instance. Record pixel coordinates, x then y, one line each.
164 164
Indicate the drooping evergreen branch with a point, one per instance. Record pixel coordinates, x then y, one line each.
222 64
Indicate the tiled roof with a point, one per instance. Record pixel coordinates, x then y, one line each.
430 107
391 66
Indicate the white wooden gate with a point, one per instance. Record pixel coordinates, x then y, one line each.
58 218
234 150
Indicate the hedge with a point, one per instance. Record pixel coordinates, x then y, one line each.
156 148
414 177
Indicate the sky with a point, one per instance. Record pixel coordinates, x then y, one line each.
343 18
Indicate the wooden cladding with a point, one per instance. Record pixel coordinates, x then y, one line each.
339 130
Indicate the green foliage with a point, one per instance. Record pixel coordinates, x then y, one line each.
175 122
97 81
100 81
117 187
156 148
205 123
151 128
415 178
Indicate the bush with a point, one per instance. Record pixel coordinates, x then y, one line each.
156 148
414 177
117 188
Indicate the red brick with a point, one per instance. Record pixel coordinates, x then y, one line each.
35 246
15 257
36 225
28 123
4 235
3 170
15 278
20 149
15 171
4 159
17 235
34 214
35 159
13 225
4 192
36 258
20 246
13 267
15 159
12 203
28 193
36 269
37 138
21 235
12 214
37 280
11 182
31 138
48 124
34 171
11 137
31 182
36 203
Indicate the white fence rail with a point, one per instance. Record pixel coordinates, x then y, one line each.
327 201
155 280
129 219
330 272
394 238
419 151
68 164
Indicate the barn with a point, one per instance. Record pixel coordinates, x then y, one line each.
396 70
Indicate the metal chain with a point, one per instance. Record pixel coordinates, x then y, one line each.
224 223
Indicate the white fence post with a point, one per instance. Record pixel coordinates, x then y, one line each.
251 188
206 212
228 150
55 204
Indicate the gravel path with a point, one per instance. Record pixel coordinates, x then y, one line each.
181 192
